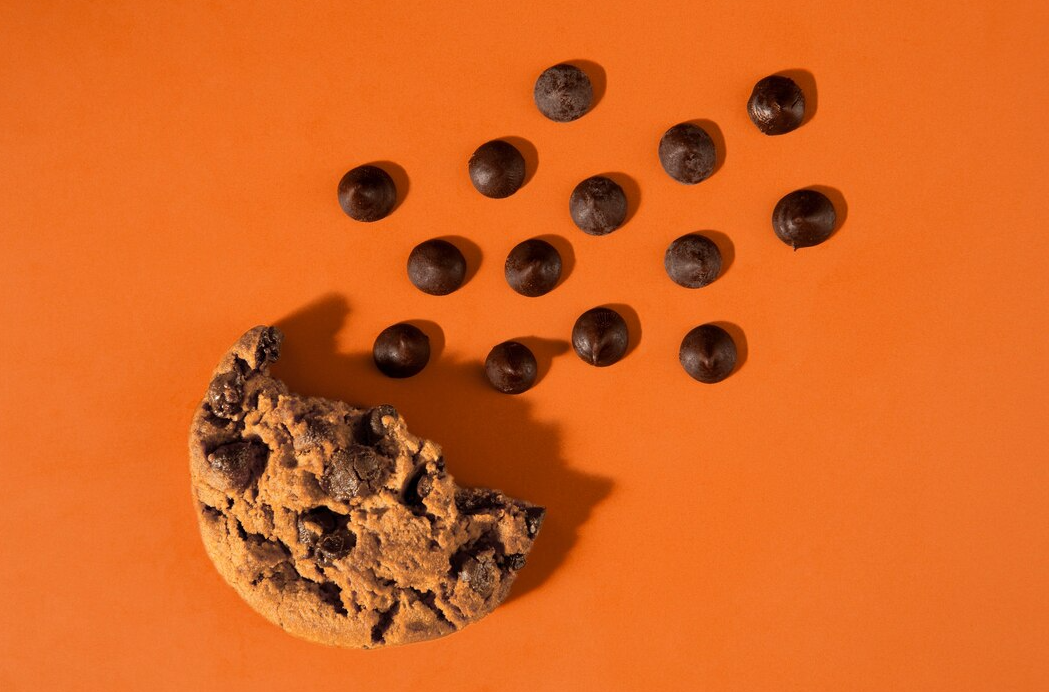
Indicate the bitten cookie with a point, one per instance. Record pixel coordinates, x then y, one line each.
335 522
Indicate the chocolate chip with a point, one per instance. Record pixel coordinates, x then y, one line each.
534 520
511 367
239 462
418 487
479 573
225 393
336 545
513 561
533 267
354 472
367 193
316 522
692 261
687 153
436 267
376 428
804 218
563 93
777 105
600 337
497 169
268 348
708 353
598 205
478 500
402 350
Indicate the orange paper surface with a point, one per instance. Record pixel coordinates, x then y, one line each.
863 505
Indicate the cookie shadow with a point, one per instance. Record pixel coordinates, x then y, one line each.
489 439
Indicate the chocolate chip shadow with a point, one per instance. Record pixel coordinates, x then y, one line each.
489 439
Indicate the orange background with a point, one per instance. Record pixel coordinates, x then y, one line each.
862 506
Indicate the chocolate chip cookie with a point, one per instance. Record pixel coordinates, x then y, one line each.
335 522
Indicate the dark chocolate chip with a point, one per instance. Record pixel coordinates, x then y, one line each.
268 348
804 218
478 500
598 205
563 93
511 368
687 153
418 487
692 261
402 350
513 561
777 105
239 462
354 472
497 169
436 267
534 520
708 353
225 393
376 429
367 193
335 545
600 337
479 573
321 517
533 267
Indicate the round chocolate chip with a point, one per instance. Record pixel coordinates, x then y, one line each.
239 462
367 193
497 169
598 205
563 93
225 393
692 261
600 337
511 367
401 350
436 267
687 153
804 218
777 105
533 267
708 353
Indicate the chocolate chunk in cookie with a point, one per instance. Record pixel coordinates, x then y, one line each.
239 462
225 393
355 472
